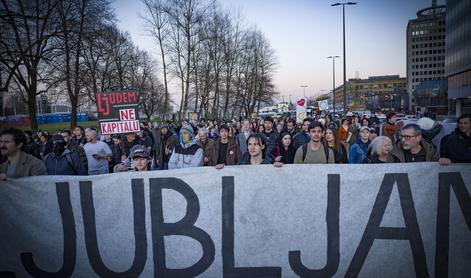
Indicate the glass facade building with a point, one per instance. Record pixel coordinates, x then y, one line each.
458 53
426 47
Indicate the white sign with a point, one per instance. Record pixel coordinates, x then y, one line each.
381 220
323 105
119 127
301 108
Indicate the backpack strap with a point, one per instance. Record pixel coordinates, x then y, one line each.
326 151
304 151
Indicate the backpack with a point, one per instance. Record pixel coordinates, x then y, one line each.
326 151
68 158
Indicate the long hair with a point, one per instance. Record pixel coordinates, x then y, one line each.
260 140
337 144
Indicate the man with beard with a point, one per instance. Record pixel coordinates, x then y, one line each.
62 161
206 144
165 141
19 164
75 147
412 147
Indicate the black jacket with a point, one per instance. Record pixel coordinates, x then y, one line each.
456 146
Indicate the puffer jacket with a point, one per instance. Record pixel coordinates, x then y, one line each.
186 157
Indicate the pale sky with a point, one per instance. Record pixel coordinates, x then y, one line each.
304 33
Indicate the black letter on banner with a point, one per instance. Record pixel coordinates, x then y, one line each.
333 236
70 238
184 227
228 260
373 231
140 251
447 180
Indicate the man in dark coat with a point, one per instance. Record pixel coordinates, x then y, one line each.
165 141
456 147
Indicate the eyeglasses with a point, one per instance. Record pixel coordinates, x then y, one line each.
407 137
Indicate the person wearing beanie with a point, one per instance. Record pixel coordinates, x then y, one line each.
187 153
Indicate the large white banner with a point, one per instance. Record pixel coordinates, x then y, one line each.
391 220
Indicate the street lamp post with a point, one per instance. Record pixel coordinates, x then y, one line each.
333 78
304 90
344 56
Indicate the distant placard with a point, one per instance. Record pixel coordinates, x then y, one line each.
118 111
301 108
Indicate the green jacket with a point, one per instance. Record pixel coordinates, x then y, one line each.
397 154
27 166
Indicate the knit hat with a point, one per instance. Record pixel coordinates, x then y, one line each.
139 151
187 129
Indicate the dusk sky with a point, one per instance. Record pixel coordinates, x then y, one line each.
304 33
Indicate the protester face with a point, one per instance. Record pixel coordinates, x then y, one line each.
393 119
364 122
329 135
254 147
409 139
66 137
224 134
77 131
373 136
8 145
316 134
290 126
116 141
164 131
286 141
268 126
90 136
130 137
386 148
465 125
203 136
365 135
261 128
246 126
279 128
306 126
141 163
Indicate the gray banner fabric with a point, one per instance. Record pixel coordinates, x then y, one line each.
390 220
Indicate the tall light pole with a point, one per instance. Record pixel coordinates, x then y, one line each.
304 90
333 78
344 56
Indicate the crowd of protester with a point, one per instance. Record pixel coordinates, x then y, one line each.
214 143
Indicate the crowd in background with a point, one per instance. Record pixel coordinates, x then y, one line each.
215 143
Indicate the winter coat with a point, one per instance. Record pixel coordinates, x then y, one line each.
390 130
233 153
78 149
32 148
456 147
63 165
272 141
397 154
358 152
340 157
287 156
27 166
207 146
246 160
300 139
169 140
186 157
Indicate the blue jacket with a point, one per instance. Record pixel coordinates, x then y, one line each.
358 152
64 165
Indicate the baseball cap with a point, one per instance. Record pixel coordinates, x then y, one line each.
139 151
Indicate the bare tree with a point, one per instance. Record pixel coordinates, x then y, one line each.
33 24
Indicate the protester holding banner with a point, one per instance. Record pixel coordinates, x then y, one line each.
257 147
18 164
98 153
456 147
270 134
379 150
315 151
187 153
412 148
225 150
